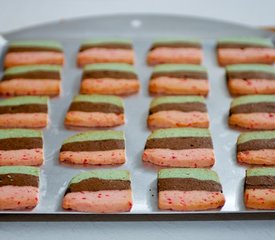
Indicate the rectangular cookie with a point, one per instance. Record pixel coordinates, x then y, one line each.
236 50
21 147
259 190
179 79
94 147
244 79
187 51
33 52
180 147
19 187
99 191
189 189
106 51
178 111
253 112
92 111
24 112
31 80
256 148
109 78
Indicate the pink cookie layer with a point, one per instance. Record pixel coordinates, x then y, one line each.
265 157
178 86
200 157
28 58
23 120
110 86
190 200
94 158
171 119
101 55
93 119
250 55
16 198
174 55
38 87
253 120
24 157
259 198
105 201
251 86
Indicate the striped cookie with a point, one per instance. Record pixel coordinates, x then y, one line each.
94 147
243 79
106 51
259 192
31 80
256 148
175 51
19 187
93 111
253 112
101 191
24 112
109 78
245 50
189 189
180 147
33 52
179 79
178 111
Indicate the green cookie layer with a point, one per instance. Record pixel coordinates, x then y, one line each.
198 173
247 40
260 172
252 99
20 169
180 132
122 67
250 68
32 68
15 101
99 99
179 68
19 133
245 137
38 44
102 174
176 99
95 136
177 40
106 41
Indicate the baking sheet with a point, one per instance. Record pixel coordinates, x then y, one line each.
142 29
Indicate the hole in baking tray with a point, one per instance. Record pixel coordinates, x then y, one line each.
136 23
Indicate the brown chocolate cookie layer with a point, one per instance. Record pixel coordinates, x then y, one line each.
20 143
51 75
260 182
178 143
109 74
18 179
33 49
241 45
96 184
181 74
102 145
96 107
188 184
176 45
183 107
250 75
106 45
257 144
259 107
25 108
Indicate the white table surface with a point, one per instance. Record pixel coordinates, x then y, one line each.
15 14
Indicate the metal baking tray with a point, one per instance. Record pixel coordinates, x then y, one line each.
142 29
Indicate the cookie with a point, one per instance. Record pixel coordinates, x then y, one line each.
245 50
178 111
24 112
179 79
259 192
189 189
253 112
93 111
33 52
175 51
19 187
256 148
109 78
31 80
95 148
99 191
244 79
21 147
106 51
180 147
